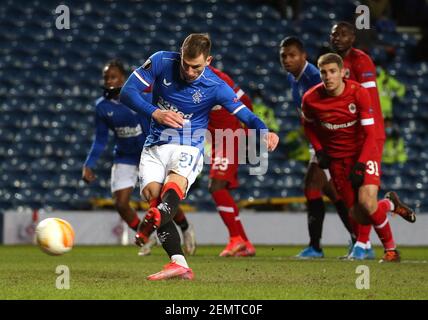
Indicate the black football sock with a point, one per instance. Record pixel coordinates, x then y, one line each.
170 239
316 213
180 220
169 205
343 213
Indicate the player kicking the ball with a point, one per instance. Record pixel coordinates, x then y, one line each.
339 122
130 131
184 92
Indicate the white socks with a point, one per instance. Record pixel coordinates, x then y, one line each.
180 260
391 205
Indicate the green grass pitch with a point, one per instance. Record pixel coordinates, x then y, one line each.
114 272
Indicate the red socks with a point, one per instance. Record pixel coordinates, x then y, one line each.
313 194
363 234
134 223
155 202
229 212
381 224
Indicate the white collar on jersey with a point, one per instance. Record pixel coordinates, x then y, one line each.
303 71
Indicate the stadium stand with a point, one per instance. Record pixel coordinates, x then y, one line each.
49 81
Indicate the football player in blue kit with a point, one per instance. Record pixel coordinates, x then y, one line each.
184 92
130 131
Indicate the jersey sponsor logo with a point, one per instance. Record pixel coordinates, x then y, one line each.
147 65
166 82
110 114
128 132
165 105
331 126
197 96
352 108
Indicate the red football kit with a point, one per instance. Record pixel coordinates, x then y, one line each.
360 67
224 157
344 127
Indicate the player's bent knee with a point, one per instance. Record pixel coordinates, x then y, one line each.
367 203
369 206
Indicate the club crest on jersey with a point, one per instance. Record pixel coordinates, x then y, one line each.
352 108
347 73
197 97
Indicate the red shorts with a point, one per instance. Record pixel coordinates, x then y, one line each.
224 164
340 170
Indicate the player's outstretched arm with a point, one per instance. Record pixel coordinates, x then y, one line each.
98 146
253 122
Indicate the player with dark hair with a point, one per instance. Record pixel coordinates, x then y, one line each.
224 171
184 92
340 123
302 75
358 66
130 131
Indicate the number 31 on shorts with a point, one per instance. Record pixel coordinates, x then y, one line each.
185 160
372 168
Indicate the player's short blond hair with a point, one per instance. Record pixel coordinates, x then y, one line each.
196 44
330 58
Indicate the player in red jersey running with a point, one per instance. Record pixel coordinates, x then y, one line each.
224 172
359 67
340 122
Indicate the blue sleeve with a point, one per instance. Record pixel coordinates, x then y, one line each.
315 79
297 99
141 79
250 119
100 142
228 99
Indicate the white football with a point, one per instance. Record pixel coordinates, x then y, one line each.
55 236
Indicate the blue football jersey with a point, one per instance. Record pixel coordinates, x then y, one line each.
130 130
193 100
309 77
